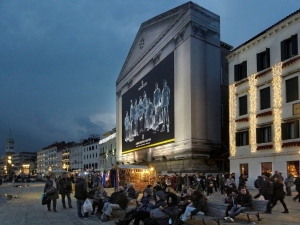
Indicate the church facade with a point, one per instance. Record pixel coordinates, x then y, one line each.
168 93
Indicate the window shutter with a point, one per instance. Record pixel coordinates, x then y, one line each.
244 69
258 62
297 129
270 134
268 56
258 136
247 137
236 72
294 44
283 50
237 139
283 131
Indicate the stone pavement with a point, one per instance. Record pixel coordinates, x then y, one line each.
27 209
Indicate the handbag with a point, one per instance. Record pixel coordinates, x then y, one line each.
87 206
158 214
50 191
44 199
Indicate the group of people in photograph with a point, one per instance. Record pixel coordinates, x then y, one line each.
173 200
145 115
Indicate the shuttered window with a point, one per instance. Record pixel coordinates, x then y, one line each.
263 60
263 134
240 71
292 89
242 138
290 130
289 47
265 99
243 107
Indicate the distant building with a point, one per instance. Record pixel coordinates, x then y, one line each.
50 158
24 163
10 145
107 147
90 153
264 101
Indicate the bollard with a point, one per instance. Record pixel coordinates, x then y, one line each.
9 197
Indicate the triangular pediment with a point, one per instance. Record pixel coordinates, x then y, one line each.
149 34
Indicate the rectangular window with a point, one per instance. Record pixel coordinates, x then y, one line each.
292 89
263 60
240 71
293 168
290 130
289 47
243 107
244 169
265 99
266 167
242 138
263 134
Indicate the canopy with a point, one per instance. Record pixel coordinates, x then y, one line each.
59 171
131 167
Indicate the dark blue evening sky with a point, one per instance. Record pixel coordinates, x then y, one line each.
59 59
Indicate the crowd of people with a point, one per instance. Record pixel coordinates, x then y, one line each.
173 200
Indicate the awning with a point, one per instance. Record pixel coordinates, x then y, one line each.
131 167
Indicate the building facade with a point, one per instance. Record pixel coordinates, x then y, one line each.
107 147
24 163
169 93
91 152
264 99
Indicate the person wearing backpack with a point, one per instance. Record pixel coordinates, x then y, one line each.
258 184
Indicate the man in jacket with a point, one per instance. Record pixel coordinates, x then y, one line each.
242 202
297 183
81 195
267 186
119 202
65 189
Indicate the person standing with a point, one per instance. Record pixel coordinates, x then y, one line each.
289 184
278 194
65 189
179 183
50 190
297 183
81 195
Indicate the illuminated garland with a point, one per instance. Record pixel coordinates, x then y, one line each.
252 112
232 115
276 83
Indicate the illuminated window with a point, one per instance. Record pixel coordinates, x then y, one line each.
292 89
293 168
289 47
263 60
266 167
240 71
244 169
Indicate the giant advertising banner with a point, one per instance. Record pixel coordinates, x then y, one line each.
148 109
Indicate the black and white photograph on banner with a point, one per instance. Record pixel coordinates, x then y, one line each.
148 108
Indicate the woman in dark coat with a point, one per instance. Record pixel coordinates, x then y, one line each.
278 194
51 191
170 210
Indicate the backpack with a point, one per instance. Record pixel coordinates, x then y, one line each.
256 185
